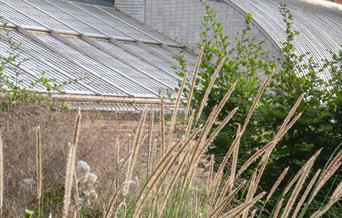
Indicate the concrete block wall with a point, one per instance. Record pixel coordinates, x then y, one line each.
181 19
134 8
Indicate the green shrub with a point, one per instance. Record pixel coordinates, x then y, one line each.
12 88
245 60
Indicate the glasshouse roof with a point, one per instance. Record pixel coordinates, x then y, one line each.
102 50
127 50
320 27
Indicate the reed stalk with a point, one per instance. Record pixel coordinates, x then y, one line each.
336 196
135 150
287 124
70 168
236 212
162 126
150 148
1 176
109 211
305 172
39 170
77 195
117 162
175 111
278 208
160 171
235 155
250 193
305 194
211 173
194 80
69 179
209 88
172 184
277 183
333 166
217 210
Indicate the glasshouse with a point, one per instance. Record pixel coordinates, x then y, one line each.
170 108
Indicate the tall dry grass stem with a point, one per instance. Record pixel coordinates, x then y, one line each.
236 212
209 88
333 166
39 166
287 124
175 111
190 124
172 184
236 141
336 196
277 183
76 194
305 194
272 145
221 126
194 80
199 147
297 189
250 193
220 206
39 162
162 126
110 209
77 128
218 179
135 149
298 174
70 168
211 173
117 161
150 148
226 97
158 173
1 175
235 155
278 207
69 179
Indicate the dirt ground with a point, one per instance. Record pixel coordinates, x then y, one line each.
99 131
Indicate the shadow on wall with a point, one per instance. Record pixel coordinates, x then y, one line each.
98 2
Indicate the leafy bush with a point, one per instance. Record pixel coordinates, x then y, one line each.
12 87
245 60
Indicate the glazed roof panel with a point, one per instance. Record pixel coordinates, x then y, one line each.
99 49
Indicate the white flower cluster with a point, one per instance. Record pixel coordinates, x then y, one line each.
86 183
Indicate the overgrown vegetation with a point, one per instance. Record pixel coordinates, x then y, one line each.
181 180
244 59
15 88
